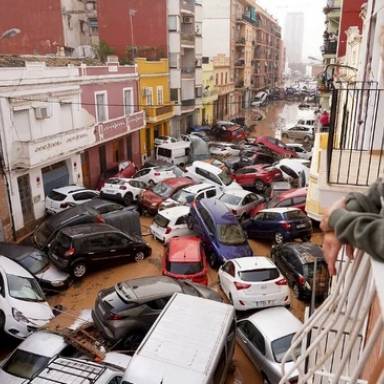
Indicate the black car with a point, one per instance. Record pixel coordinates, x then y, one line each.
75 249
37 263
132 306
250 156
296 261
96 210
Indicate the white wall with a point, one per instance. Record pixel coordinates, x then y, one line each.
216 27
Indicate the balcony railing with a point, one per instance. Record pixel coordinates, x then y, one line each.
341 341
188 72
157 113
240 63
187 39
188 104
329 48
356 136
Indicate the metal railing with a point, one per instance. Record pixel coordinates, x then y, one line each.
329 47
339 342
356 135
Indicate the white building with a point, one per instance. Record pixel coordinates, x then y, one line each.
185 62
294 37
42 129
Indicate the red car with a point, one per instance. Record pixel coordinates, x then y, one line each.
127 172
276 146
228 131
151 199
185 259
294 198
257 176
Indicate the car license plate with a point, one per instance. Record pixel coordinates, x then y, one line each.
299 226
109 191
264 303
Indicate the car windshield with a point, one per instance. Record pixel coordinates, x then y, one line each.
57 196
35 262
183 197
281 346
162 190
25 364
259 274
230 199
225 178
161 221
184 268
230 234
24 288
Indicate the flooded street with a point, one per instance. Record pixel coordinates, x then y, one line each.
81 295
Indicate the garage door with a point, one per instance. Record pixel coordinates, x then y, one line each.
55 176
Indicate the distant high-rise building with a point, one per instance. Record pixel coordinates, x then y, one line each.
293 37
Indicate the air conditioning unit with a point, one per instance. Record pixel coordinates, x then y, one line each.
187 19
42 113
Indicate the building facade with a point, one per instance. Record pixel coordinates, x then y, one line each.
294 37
210 94
154 98
64 27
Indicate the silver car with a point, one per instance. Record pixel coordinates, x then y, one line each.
265 337
303 133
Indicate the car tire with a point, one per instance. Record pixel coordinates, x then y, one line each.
79 269
296 291
128 199
2 321
259 185
279 238
139 256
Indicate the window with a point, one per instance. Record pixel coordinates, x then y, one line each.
2 288
115 240
173 60
148 96
128 101
253 335
217 79
211 193
175 95
160 100
299 200
159 303
172 23
101 106
84 196
164 152
181 220
116 380
221 78
198 92
94 244
229 268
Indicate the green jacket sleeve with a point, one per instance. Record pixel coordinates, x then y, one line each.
360 229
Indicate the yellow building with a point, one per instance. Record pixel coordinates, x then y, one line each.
210 94
154 96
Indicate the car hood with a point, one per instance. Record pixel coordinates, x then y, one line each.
10 379
229 252
38 314
53 274
151 198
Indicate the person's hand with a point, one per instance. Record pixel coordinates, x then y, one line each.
324 224
331 249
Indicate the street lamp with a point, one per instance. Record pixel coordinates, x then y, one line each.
9 33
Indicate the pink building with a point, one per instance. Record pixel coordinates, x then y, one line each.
110 94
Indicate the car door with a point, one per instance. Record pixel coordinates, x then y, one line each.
227 276
95 249
135 187
143 175
119 246
255 226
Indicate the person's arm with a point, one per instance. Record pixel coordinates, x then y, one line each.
359 229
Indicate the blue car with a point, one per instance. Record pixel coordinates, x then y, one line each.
218 227
279 224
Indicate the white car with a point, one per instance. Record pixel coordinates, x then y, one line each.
165 140
153 175
253 282
23 307
122 189
62 198
241 202
295 169
224 149
170 223
202 172
187 195
265 337
300 150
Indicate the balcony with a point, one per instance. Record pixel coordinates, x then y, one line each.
329 47
188 105
240 63
341 343
156 114
240 41
188 72
239 84
187 40
187 6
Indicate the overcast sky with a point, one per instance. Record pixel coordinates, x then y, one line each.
313 20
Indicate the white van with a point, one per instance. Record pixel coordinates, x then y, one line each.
174 153
191 342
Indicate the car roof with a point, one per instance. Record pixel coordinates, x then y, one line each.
209 167
144 289
275 323
184 249
178 181
11 267
237 192
44 343
306 251
69 189
293 193
88 229
253 262
280 210
16 251
219 211
198 187
178 144
173 212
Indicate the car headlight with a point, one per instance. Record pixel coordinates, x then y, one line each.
57 283
18 316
